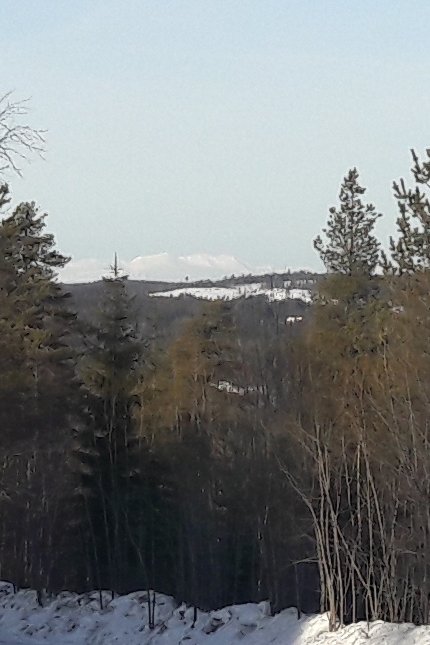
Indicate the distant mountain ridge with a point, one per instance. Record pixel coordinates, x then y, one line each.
165 267
159 267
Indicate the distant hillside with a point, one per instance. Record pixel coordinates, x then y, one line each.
271 299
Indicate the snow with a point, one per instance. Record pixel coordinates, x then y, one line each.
231 388
300 294
76 619
238 291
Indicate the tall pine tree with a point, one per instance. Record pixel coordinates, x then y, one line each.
36 396
350 247
35 318
411 251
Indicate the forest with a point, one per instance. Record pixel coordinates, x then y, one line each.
125 466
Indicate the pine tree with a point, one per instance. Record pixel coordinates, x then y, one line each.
10 338
35 317
350 248
36 396
411 251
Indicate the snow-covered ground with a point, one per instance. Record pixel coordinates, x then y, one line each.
238 291
72 619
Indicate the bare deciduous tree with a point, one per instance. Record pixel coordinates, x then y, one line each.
17 139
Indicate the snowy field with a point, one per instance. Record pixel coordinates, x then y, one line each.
238 291
72 619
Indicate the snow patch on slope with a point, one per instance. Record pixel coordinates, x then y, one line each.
76 619
238 291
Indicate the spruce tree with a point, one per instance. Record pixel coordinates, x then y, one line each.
350 247
106 446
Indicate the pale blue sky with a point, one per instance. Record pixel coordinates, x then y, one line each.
214 126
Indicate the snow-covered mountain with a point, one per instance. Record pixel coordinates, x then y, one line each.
159 267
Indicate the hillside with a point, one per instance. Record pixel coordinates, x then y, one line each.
160 303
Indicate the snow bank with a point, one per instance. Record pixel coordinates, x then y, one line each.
73 619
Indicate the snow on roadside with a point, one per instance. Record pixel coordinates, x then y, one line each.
238 291
76 619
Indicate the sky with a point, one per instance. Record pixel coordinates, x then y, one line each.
219 127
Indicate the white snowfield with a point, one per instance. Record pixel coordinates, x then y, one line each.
72 619
238 291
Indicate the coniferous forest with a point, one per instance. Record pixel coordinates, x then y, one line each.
125 466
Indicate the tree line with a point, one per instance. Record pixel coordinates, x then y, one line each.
360 382
126 466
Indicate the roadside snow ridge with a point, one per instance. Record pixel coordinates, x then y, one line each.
76 619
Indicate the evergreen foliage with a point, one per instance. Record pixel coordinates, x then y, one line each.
411 251
106 445
350 248
37 396
238 457
35 317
